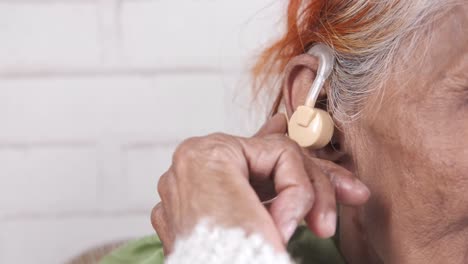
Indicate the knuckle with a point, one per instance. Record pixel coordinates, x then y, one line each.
218 136
218 147
211 152
156 216
186 150
162 185
221 152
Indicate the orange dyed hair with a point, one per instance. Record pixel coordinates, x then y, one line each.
333 22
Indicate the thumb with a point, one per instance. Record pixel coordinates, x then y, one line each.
278 124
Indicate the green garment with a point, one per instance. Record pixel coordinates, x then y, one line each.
304 247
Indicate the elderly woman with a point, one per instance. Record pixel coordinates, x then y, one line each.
396 171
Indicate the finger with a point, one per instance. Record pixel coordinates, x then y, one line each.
349 190
163 184
159 218
160 225
278 158
278 124
322 218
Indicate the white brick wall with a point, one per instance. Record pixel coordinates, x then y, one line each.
94 97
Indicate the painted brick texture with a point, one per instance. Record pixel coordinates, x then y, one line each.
94 97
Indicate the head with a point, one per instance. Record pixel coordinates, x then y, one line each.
399 98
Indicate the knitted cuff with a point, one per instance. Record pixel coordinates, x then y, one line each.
216 245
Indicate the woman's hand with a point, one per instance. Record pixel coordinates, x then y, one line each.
220 177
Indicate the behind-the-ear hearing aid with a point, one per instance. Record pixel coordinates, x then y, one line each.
310 126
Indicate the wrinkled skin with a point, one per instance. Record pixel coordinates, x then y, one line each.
413 155
221 177
410 148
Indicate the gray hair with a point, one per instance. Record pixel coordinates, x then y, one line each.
367 60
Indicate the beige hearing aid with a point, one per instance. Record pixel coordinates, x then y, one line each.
309 126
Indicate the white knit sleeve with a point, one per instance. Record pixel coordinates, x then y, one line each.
215 245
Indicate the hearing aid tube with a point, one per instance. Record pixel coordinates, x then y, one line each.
326 61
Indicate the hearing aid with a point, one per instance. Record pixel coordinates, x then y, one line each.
311 127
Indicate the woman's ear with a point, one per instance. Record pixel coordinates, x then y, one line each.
299 75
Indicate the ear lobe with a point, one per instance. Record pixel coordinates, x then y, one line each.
298 78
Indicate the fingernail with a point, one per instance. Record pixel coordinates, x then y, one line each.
328 223
347 184
288 230
361 186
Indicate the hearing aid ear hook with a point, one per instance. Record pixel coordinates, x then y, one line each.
309 126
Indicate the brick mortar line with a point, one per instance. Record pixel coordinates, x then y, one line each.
46 2
150 144
47 144
99 72
124 144
72 215
61 1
